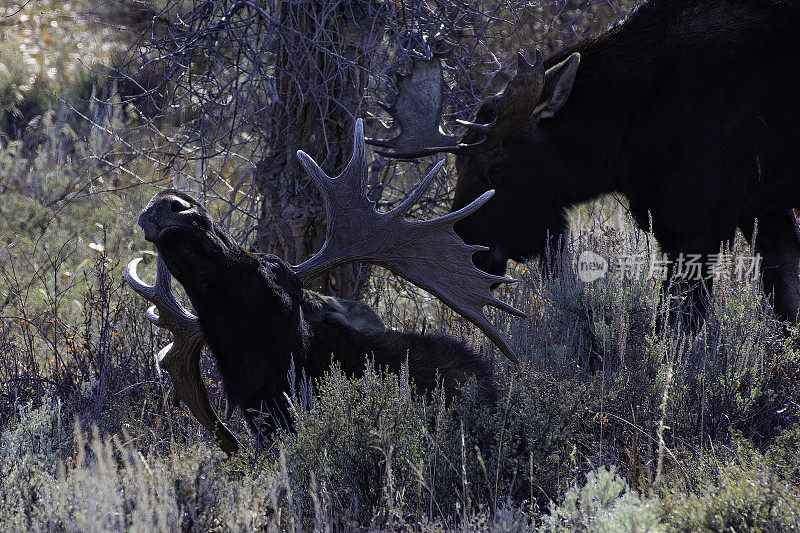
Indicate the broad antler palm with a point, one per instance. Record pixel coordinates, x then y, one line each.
417 112
428 253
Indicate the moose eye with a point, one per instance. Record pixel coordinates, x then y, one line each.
493 174
176 206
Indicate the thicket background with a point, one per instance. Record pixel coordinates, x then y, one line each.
102 104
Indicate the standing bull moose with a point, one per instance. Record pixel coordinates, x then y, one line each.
257 318
690 108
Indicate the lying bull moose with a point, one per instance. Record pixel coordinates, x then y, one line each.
257 318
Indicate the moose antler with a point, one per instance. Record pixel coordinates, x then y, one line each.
417 112
181 358
428 253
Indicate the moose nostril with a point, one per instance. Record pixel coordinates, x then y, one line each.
176 206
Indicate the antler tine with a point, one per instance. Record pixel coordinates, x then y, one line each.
420 189
512 107
520 97
428 253
144 290
181 358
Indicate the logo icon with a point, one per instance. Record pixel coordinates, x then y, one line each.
590 266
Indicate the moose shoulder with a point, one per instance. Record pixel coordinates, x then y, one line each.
688 108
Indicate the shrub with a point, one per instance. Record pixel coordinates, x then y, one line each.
740 492
29 446
604 504
362 442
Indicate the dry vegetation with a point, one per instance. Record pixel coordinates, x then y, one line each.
612 423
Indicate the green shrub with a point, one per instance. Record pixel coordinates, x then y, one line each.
363 441
605 504
374 448
740 492
29 446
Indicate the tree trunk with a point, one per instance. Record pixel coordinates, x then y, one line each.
320 80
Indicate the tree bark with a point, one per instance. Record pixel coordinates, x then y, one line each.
320 81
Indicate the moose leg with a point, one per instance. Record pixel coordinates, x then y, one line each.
687 285
689 299
689 240
778 243
690 273
690 278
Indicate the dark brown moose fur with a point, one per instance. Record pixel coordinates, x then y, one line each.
691 109
257 318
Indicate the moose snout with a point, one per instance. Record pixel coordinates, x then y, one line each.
149 225
162 213
493 261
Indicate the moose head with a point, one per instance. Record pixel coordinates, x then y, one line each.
489 154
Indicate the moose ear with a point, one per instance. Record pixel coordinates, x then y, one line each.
354 315
557 86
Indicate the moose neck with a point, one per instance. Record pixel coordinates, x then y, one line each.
202 262
232 290
613 83
249 312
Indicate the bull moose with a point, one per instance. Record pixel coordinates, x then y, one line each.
257 318
690 108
